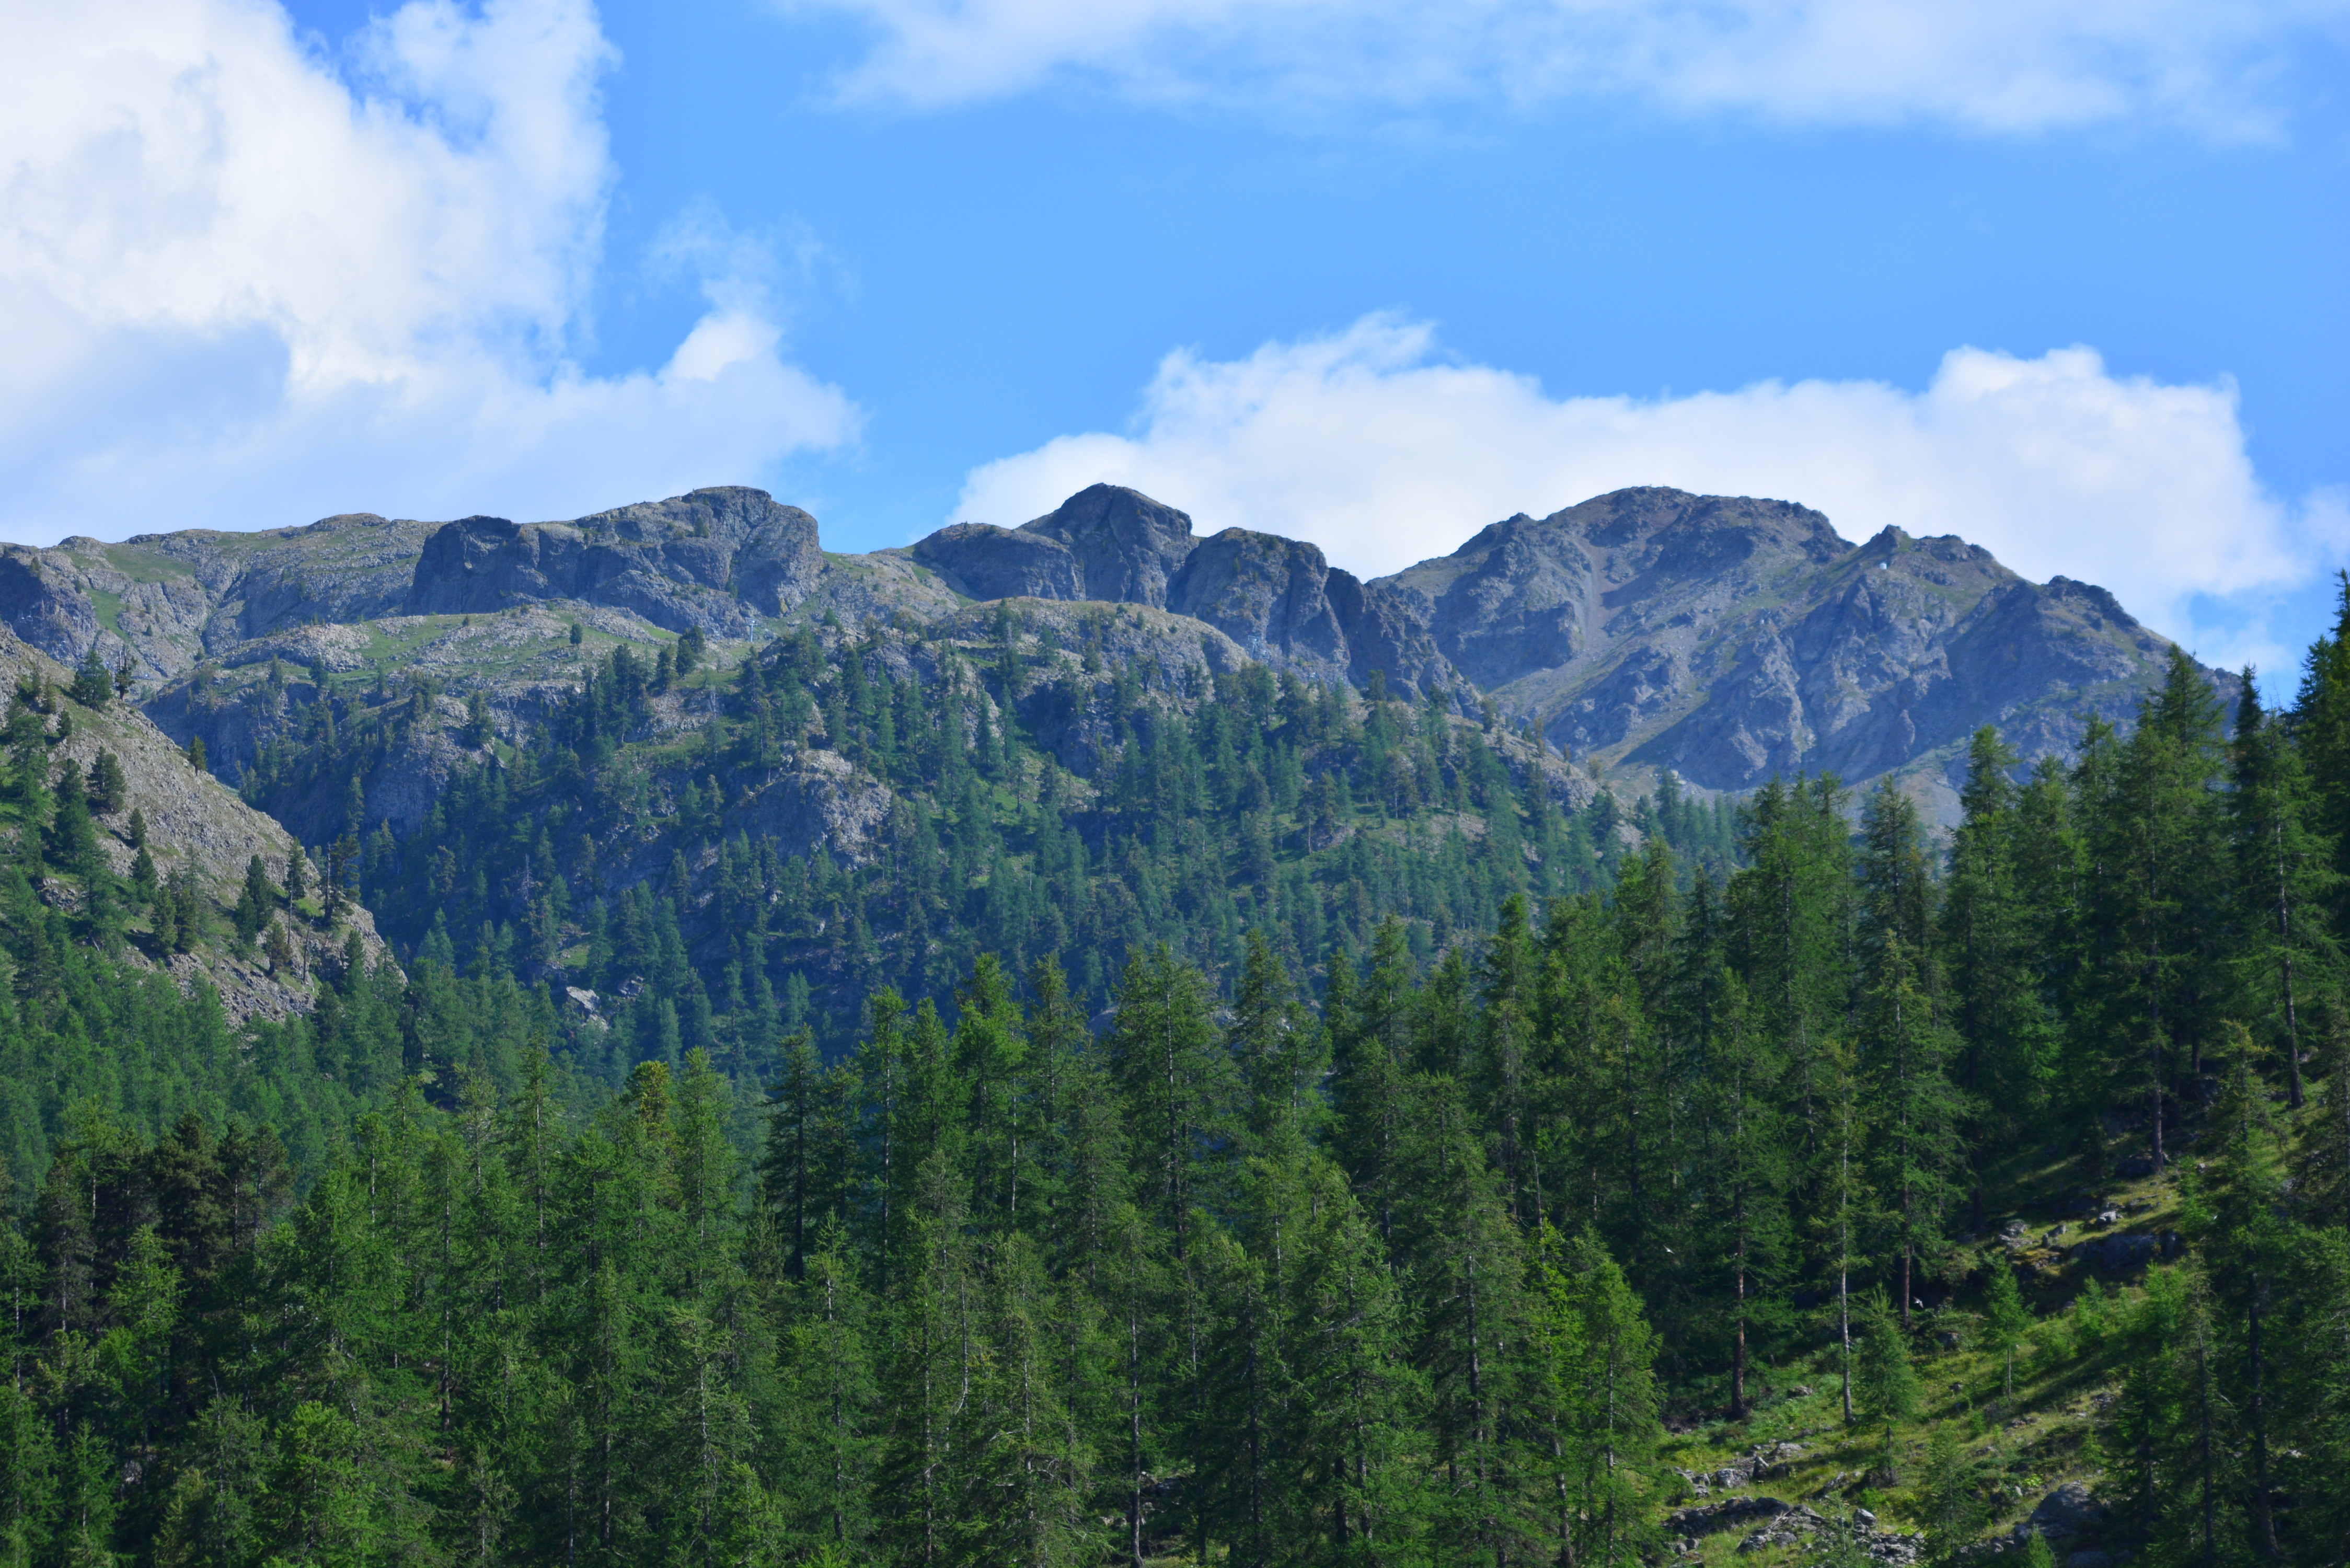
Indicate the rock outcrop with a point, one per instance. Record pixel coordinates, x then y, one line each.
197 825
1727 640
2068 1512
714 560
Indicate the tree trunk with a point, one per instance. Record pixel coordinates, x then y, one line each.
2264 1539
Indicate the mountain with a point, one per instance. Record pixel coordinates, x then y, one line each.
192 826
1724 638
1312 1010
1731 639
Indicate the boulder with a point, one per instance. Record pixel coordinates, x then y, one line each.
1730 1513
2065 1514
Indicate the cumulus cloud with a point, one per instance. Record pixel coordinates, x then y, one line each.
1369 445
1992 65
245 287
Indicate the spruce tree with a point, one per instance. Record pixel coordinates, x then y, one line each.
2322 727
1603 1404
1916 1111
1885 1384
2154 909
2006 1320
255 901
93 683
1746 1178
2286 952
2008 1041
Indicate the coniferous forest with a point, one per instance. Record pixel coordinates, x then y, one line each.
1287 1138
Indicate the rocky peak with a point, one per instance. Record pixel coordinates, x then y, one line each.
714 560
1727 638
1105 543
1125 544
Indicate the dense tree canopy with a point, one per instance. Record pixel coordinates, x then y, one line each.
1261 1150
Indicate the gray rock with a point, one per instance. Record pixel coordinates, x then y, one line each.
1729 1514
2065 1513
1732 639
1126 546
981 561
1270 596
673 562
1724 639
1277 599
195 823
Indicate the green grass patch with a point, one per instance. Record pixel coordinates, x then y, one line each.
109 609
144 566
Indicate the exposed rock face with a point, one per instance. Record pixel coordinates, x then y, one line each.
1104 543
715 559
1731 639
197 824
1126 545
1386 632
1726 638
1267 594
51 615
981 561
1278 598
1526 596
2069 1512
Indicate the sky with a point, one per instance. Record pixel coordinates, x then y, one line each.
2064 280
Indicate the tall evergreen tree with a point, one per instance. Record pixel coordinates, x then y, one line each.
2286 950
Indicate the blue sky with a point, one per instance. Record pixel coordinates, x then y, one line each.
1372 273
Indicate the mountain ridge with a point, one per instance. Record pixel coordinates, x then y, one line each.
1724 638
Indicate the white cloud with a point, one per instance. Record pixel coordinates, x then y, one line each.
1367 445
1994 65
241 290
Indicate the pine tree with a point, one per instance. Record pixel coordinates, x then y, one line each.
255 902
1604 1410
794 1168
2006 1320
1179 1086
2286 950
1789 929
2321 729
107 787
2154 824
1884 1382
830 1400
1916 1112
1276 1046
1845 1198
1371 1063
1359 1394
2007 1040
2247 1249
1746 1177
93 683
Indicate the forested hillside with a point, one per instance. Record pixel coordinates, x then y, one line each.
861 1102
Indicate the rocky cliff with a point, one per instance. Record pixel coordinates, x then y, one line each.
1726 638
194 823
1731 639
